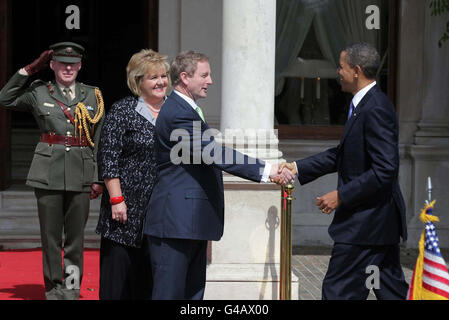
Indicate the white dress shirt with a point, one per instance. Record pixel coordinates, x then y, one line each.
189 100
359 95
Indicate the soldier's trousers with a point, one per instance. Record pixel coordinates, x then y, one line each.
62 212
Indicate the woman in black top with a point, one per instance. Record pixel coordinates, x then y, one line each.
127 164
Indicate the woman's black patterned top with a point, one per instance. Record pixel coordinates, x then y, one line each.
126 151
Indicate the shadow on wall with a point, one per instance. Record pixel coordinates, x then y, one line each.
272 223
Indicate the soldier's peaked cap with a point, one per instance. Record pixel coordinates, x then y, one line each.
67 52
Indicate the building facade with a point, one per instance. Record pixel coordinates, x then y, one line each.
273 66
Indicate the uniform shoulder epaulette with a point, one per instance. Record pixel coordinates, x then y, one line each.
88 86
38 83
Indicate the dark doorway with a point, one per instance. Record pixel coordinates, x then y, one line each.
110 31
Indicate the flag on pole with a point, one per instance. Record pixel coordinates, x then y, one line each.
430 279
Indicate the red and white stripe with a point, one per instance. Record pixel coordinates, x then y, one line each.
435 275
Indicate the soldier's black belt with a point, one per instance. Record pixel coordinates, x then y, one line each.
67 141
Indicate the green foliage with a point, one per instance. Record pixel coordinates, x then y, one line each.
439 7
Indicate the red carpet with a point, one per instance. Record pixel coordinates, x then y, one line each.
21 275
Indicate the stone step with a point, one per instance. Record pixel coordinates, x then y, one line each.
24 137
20 172
26 222
23 231
34 241
23 143
21 157
246 281
17 200
19 222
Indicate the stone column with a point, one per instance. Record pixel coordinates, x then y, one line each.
249 31
410 68
431 141
434 124
249 53
245 262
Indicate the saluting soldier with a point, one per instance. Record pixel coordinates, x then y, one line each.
64 167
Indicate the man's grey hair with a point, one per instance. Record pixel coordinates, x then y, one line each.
186 61
364 55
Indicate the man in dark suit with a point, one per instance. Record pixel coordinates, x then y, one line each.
370 211
186 208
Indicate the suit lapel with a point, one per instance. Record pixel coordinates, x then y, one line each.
356 114
187 107
348 126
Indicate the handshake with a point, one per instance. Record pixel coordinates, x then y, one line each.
283 174
286 172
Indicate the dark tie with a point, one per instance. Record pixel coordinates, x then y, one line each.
67 93
351 110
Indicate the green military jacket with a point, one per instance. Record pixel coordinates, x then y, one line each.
55 167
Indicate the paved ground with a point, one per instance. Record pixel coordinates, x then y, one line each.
310 265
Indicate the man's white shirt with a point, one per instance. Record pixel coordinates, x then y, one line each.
361 94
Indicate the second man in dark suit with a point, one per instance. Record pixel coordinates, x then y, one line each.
370 211
186 208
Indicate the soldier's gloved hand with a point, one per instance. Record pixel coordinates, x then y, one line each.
40 63
95 191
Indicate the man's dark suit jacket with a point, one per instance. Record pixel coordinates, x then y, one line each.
188 201
372 210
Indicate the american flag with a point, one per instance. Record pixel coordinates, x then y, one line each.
430 279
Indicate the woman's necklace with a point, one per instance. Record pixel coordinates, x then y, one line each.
157 108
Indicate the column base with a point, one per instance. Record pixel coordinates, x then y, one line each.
429 161
246 282
435 134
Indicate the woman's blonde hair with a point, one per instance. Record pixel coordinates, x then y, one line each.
142 63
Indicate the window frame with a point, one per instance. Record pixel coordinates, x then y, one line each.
308 132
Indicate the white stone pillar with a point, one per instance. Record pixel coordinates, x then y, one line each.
434 124
248 80
431 141
245 262
249 44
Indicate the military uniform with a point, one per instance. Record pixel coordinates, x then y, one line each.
63 168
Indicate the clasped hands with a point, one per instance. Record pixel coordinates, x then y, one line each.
283 174
287 172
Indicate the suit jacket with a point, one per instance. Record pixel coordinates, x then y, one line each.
372 211
188 201
53 167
